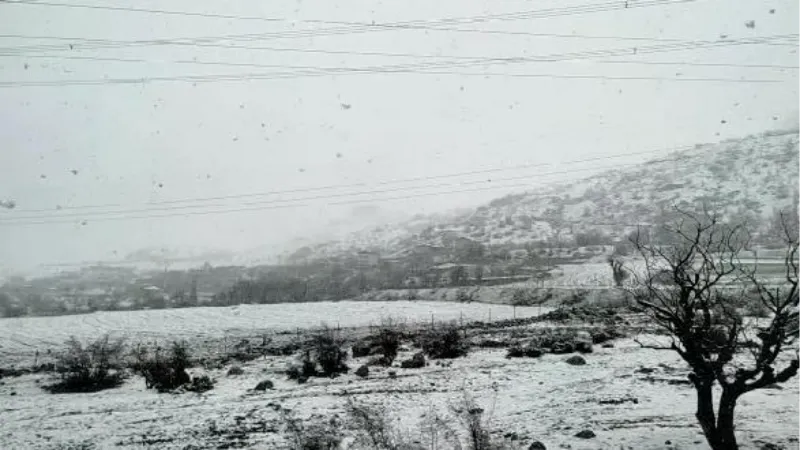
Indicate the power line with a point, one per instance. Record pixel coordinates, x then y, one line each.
350 27
108 43
416 68
398 55
274 204
382 183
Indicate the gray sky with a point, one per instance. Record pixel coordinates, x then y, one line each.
135 144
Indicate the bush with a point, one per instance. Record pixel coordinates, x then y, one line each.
519 351
235 370
199 384
388 341
92 368
324 356
444 343
164 373
305 370
329 354
264 385
416 362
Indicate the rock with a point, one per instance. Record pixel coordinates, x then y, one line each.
537 445
264 385
645 370
576 360
363 371
392 374
585 434
417 361
235 370
608 345
667 442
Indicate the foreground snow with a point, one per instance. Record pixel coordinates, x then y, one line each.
544 399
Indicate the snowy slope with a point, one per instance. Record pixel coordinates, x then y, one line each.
749 177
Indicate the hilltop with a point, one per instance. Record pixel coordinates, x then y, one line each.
748 178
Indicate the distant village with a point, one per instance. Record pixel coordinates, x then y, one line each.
302 277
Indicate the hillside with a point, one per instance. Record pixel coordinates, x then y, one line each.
746 178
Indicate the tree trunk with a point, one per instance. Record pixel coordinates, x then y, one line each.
718 429
725 428
705 411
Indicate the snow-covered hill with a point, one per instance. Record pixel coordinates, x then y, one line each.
748 178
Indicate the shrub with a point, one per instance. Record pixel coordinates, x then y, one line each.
417 361
305 370
328 352
89 368
235 370
519 351
444 343
164 373
199 384
264 385
388 341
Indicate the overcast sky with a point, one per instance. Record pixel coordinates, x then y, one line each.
132 145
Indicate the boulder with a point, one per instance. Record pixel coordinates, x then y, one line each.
576 360
363 371
537 445
264 385
585 434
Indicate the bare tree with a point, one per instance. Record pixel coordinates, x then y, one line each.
695 307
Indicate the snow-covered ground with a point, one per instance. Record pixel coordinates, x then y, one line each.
22 337
543 399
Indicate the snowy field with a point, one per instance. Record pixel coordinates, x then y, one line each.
25 335
543 399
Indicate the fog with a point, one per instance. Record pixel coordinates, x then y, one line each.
133 150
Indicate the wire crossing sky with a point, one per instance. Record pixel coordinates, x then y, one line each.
131 106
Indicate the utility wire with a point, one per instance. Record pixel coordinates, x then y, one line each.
351 27
415 68
380 183
254 206
398 55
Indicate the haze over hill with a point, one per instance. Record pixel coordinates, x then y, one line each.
748 178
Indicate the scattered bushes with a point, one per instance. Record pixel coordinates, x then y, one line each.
90 368
235 370
444 343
